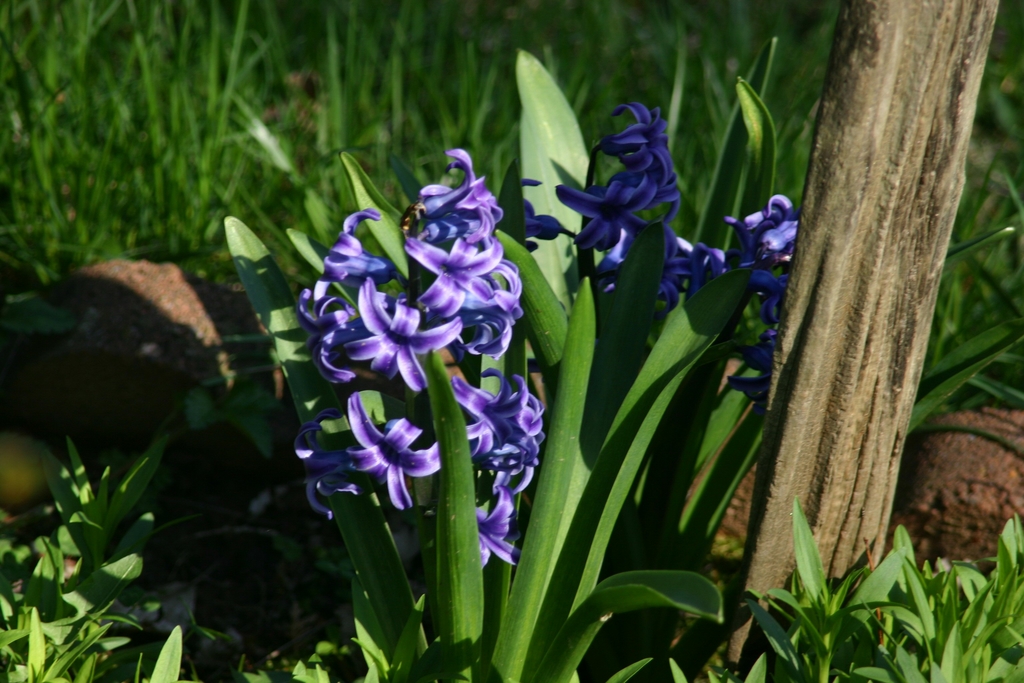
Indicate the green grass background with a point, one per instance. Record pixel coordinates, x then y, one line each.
131 128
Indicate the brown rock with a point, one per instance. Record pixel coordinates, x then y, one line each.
956 490
146 333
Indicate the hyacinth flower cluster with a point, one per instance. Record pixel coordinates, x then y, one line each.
469 306
648 183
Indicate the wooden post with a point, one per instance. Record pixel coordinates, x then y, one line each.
883 184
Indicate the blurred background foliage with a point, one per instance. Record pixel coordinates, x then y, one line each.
132 128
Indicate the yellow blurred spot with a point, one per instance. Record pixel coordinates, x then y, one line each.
22 481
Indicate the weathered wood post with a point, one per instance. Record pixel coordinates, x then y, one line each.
884 181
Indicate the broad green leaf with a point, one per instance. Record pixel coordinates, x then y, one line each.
406 178
876 587
311 250
808 560
405 652
760 149
688 331
779 641
318 214
359 518
459 576
12 636
34 316
627 673
960 251
542 544
552 151
624 593
45 585
168 664
877 673
71 657
371 638
103 586
706 507
513 224
623 339
65 494
759 672
962 364
677 674
36 647
726 183
386 231
953 657
908 666
543 315
134 539
133 484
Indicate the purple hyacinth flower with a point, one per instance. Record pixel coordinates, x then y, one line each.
759 357
459 272
329 325
767 237
542 227
706 263
395 337
386 456
771 289
506 433
469 210
498 529
634 145
492 328
326 471
610 209
349 264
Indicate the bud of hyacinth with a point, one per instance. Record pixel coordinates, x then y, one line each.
326 471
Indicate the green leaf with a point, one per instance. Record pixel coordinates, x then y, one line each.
688 331
311 250
200 409
386 231
542 544
961 250
624 592
625 674
677 674
808 560
726 183
952 657
131 487
962 364
70 657
44 587
371 639
760 149
103 586
460 579
36 647
552 151
876 587
405 651
406 178
543 315
623 338
35 316
759 672
779 641
513 224
12 636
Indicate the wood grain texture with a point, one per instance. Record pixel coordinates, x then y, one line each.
883 184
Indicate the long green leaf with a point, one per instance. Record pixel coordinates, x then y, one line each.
133 484
312 251
386 231
542 544
168 664
726 183
513 224
543 315
779 641
627 673
359 518
624 593
553 152
36 647
459 576
760 149
960 251
962 364
688 331
103 586
623 338
808 560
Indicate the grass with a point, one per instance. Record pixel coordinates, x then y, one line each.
136 127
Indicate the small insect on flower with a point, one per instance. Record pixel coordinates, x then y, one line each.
414 213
